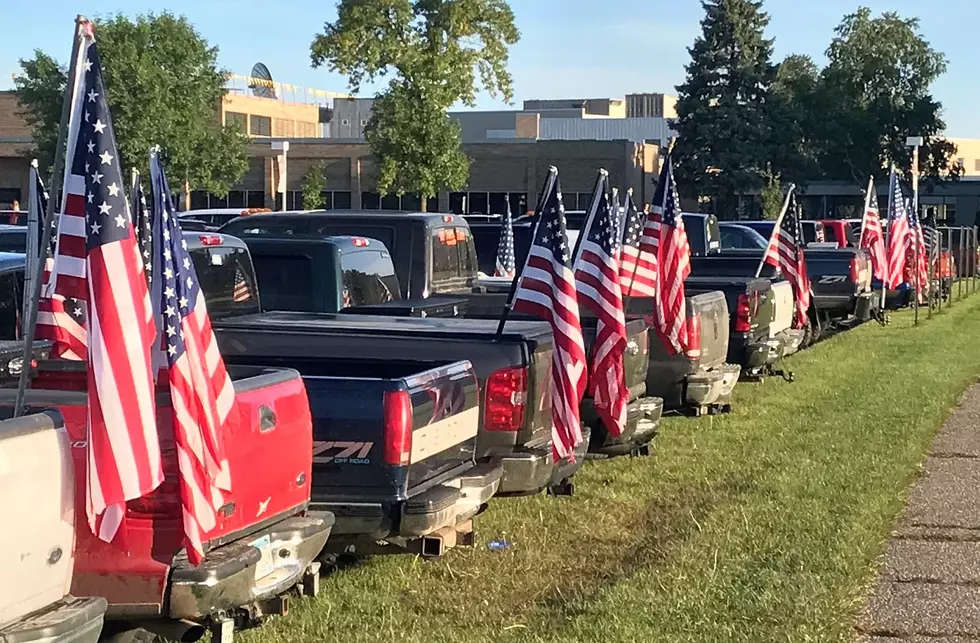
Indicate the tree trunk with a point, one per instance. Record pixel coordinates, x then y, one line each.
423 203
187 195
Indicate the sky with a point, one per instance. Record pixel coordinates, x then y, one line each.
566 49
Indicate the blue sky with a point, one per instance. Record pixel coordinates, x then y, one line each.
566 49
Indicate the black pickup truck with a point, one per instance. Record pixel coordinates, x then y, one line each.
513 368
841 278
432 253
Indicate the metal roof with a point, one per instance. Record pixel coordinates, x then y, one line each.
636 130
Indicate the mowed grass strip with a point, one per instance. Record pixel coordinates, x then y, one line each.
762 525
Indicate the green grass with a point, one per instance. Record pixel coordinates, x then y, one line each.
763 525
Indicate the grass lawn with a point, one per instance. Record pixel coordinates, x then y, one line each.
763 525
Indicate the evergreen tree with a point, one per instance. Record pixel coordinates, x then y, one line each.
724 108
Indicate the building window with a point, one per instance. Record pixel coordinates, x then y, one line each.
199 200
478 203
412 202
254 199
345 122
236 198
457 202
217 202
284 127
391 201
976 165
363 122
370 201
237 118
260 125
341 200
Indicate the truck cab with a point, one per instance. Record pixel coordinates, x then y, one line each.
432 253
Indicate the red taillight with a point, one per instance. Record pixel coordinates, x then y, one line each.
743 313
398 428
855 270
360 242
693 337
505 400
447 218
210 240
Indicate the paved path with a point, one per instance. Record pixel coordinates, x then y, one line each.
929 588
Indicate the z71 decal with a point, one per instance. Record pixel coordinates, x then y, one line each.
833 279
345 452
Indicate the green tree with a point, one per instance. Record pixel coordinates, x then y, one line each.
794 118
724 110
434 54
874 93
164 87
771 195
313 185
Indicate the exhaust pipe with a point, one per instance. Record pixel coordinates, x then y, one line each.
179 630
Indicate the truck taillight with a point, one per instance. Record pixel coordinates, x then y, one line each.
210 240
855 270
397 428
693 350
743 314
505 400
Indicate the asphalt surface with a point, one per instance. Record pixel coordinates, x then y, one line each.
929 587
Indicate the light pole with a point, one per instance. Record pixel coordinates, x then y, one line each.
282 146
915 142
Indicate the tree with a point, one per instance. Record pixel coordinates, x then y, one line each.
724 107
313 185
431 52
771 195
874 93
794 118
164 87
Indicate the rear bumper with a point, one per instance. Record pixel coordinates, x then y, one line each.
866 304
526 472
714 386
568 467
70 620
226 579
754 354
790 341
450 504
642 421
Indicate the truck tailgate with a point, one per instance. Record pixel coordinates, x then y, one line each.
784 309
355 427
636 357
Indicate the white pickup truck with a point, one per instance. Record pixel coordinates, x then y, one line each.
37 503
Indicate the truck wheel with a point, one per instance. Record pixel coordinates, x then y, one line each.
125 633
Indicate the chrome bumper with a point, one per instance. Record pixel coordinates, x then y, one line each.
227 578
526 472
789 341
70 620
450 503
715 386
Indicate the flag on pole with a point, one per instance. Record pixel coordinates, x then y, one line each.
673 253
200 389
124 460
873 235
786 253
917 257
506 259
637 271
547 290
141 224
898 233
597 283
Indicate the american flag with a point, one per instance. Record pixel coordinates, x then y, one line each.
141 223
917 256
786 254
242 292
59 319
506 260
597 282
200 389
898 233
637 272
873 236
547 290
930 235
123 446
673 259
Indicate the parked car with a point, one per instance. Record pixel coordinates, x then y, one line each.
37 490
845 233
813 231
513 368
735 236
266 540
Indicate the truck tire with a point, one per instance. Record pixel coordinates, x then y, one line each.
126 633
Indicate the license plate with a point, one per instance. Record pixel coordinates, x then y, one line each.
266 563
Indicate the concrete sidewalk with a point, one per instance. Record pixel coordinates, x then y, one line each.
929 588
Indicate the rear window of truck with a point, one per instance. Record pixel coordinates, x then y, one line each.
369 278
227 279
453 254
286 282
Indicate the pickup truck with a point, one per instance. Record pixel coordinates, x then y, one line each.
841 278
698 379
37 490
749 342
487 302
432 253
266 541
512 368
